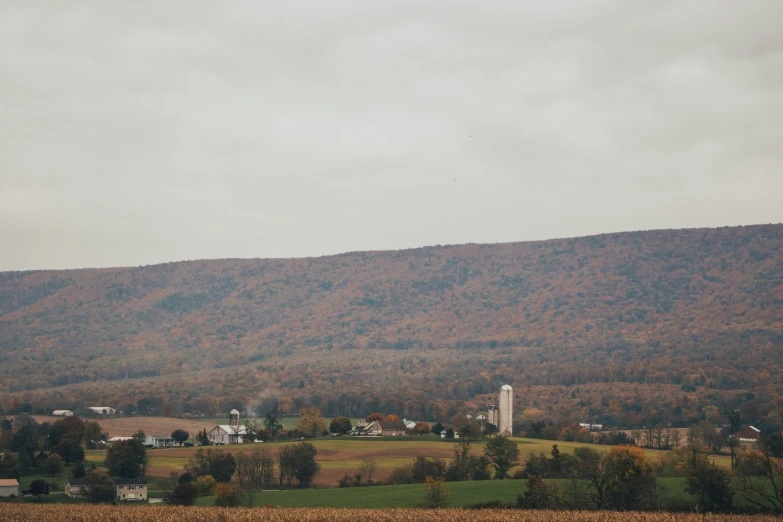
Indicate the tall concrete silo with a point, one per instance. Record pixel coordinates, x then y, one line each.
506 410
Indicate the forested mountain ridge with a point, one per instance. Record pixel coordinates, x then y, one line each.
679 309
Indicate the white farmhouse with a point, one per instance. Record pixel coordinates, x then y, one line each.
158 441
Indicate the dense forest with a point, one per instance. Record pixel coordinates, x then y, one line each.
628 328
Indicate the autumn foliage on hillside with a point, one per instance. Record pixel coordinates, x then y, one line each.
628 325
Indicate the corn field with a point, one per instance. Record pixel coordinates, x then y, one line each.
104 513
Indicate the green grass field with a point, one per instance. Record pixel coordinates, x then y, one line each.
412 495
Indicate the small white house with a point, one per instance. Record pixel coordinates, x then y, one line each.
9 488
130 489
102 410
74 487
62 413
158 441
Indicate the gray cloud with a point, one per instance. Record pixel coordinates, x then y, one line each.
143 132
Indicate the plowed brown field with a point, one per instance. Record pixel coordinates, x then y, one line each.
127 426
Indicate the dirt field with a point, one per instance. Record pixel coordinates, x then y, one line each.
127 426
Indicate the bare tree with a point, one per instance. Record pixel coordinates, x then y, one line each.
658 436
255 471
674 439
733 442
761 478
705 433
367 469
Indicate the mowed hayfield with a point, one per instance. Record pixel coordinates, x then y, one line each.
336 456
341 455
104 513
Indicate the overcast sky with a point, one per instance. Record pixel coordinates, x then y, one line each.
145 132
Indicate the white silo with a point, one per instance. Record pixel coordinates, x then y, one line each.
506 410
492 415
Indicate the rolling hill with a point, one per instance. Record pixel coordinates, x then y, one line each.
623 327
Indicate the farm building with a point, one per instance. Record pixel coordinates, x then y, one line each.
9 488
227 434
62 413
118 439
359 428
231 433
382 428
102 410
749 436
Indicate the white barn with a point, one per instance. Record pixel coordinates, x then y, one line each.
231 433
227 434
62 413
